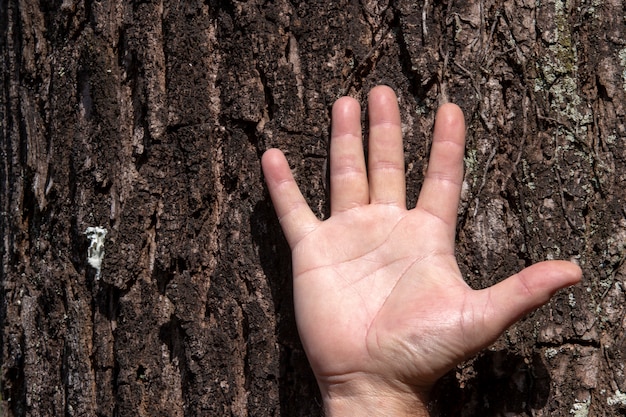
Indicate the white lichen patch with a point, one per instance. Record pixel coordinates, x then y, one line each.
572 300
95 252
622 61
580 408
618 399
559 75
551 353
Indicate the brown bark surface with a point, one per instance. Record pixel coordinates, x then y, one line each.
148 119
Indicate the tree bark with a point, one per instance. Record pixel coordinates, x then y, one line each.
148 119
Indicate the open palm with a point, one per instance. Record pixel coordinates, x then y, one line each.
381 306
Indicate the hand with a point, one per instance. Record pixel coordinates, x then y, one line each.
381 305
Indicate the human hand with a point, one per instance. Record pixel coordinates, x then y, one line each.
381 306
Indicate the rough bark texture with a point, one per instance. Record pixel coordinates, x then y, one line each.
148 118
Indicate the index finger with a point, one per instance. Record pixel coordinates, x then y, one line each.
441 190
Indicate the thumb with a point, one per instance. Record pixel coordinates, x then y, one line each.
525 291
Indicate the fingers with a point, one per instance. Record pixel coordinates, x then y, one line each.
523 292
386 155
441 190
348 176
294 214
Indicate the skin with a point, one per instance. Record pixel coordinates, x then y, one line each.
381 306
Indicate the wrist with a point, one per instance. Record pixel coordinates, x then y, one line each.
364 398
373 406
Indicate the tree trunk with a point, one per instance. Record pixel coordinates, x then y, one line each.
147 119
